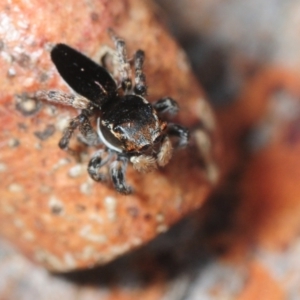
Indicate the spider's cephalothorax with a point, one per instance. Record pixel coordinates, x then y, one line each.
129 127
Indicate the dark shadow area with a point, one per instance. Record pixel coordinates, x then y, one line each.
211 66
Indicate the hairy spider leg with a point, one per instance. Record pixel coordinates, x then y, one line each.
81 122
117 172
165 153
140 87
89 134
179 132
59 97
124 65
98 160
166 105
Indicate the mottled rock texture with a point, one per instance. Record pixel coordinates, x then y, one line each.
50 209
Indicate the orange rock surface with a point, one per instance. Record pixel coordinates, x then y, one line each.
269 189
49 207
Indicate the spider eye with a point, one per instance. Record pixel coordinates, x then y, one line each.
158 139
140 89
145 148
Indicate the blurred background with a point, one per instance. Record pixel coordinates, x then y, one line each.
244 243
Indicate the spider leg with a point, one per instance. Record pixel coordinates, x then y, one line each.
103 54
165 152
89 134
124 65
73 100
82 121
166 105
107 58
99 159
117 172
140 87
179 132
143 163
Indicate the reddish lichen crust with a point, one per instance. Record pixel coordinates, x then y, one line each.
50 208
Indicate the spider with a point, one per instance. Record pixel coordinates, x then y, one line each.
129 128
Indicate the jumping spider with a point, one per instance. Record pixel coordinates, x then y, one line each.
129 128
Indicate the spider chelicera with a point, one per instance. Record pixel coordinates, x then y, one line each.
129 128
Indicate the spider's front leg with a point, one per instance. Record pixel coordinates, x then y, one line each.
180 133
166 105
165 153
117 173
83 123
169 106
124 65
99 159
59 97
140 86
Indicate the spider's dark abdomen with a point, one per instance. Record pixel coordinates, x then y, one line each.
83 75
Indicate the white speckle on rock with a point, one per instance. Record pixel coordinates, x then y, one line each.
97 238
29 105
38 146
161 228
56 205
3 167
110 204
160 218
62 122
102 259
28 82
62 162
69 261
88 253
119 249
85 230
178 201
136 241
76 171
13 143
51 260
51 110
96 217
6 57
9 209
18 223
84 158
45 189
87 187
29 236
86 233
15 188
11 72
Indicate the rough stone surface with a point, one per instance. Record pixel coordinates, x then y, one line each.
50 208
244 242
